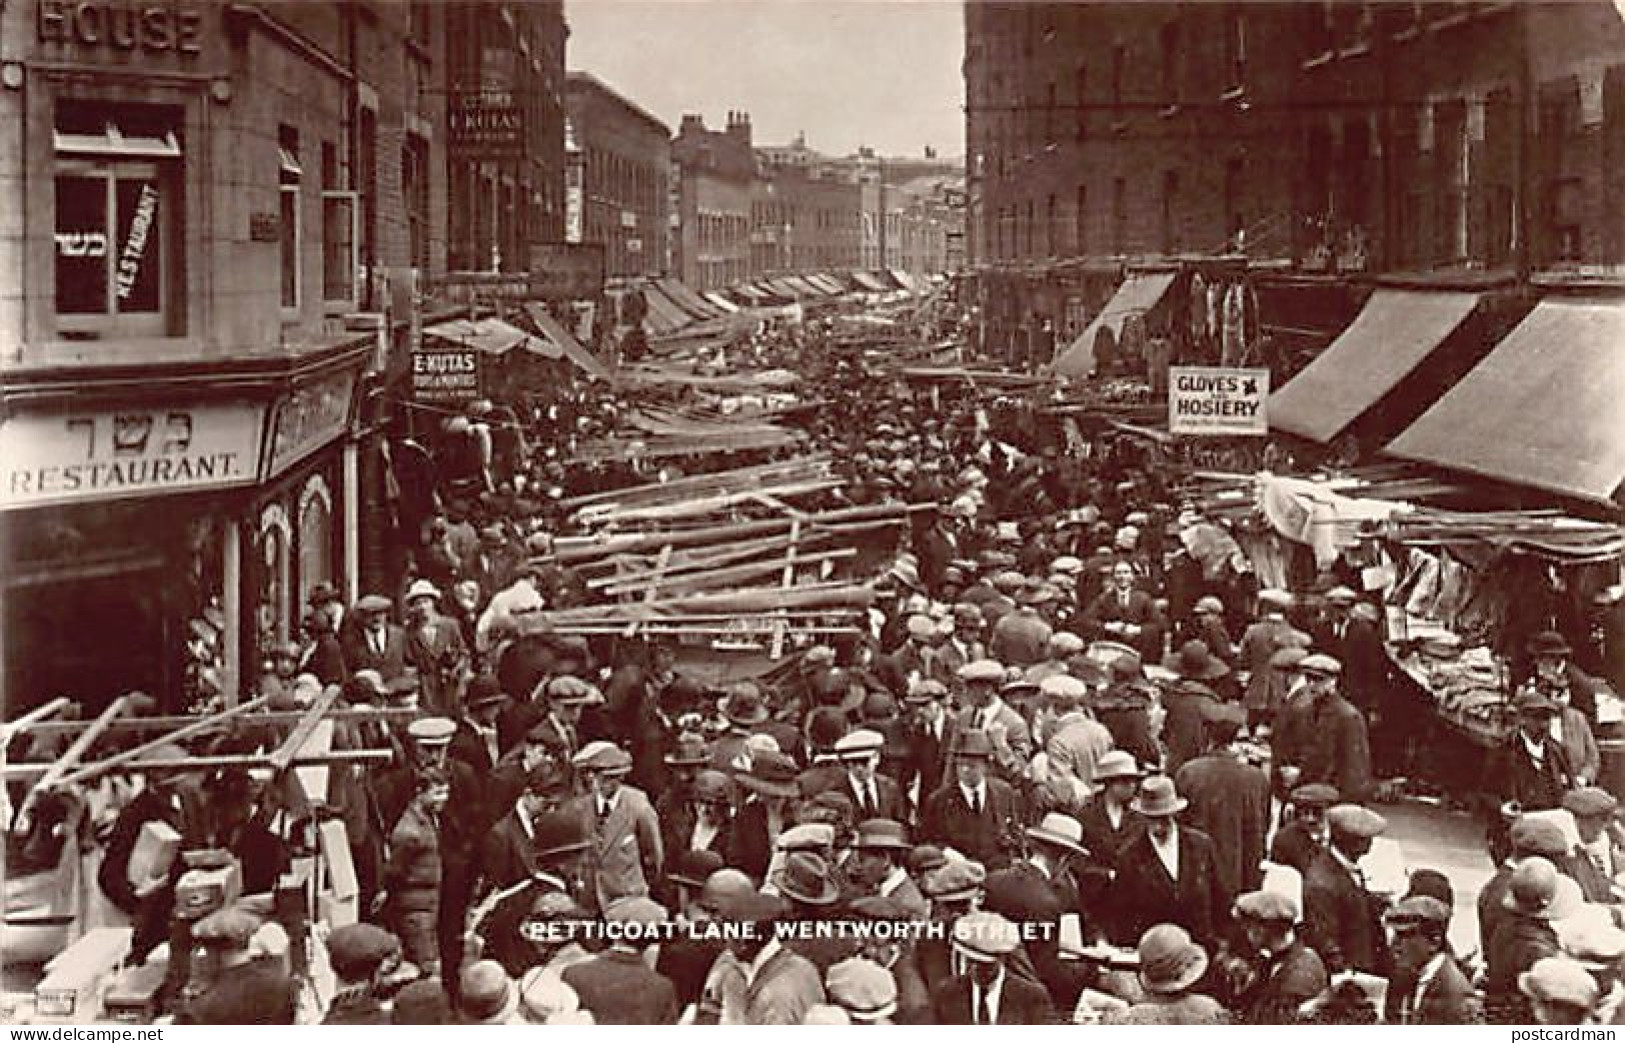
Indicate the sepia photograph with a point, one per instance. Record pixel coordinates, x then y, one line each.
812 512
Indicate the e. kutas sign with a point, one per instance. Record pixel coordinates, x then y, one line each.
1217 400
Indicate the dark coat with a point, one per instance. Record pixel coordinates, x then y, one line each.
150 916
359 1009
1449 999
438 653
686 962
988 837
358 653
1183 732
1103 841
1328 740
1143 895
507 856
1295 846
1023 894
620 989
1510 774
1517 943
892 803
749 848
1342 920
927 758
1288 980
256 993
325 659
1141 610
1020 1003
468 746
1230 802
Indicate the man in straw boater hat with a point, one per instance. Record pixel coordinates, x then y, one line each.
974 813
873 795
627 852
864 989
984 992
1323 735
1171 964
1168 874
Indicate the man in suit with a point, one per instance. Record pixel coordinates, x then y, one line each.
975 814
476 742
627 852
986 993
1530 769
1229 800
877 869
1427 986
1261 640
242 990
323 655
779 985
1168 874
434 647
1537 896
1279 973
412 876
372 642
930 736
1299 840
1040 889
873 794
1076 740
617 986
1323 735
1342 920
1124 613
988 713
1190 702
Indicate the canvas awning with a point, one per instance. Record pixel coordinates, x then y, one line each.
494 337
827 283
664 315
690 301
1138 294
1542 410
1393 334
573 349
722 303
869 282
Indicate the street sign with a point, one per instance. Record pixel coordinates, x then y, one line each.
1217 400
485 126
566 271
445 375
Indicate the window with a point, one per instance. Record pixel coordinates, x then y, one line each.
1450 157
1080 220
366 182
1080 94
415 198
1051 102
288 193
1170 64
1119 62
1119 213
1052 229
117 180
315 536
1170 193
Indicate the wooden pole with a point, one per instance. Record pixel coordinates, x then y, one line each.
180 735
147 724
242 760
62 765
33 717
296 740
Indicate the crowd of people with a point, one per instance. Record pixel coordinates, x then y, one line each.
1122 783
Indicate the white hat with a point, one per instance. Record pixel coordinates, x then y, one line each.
422 588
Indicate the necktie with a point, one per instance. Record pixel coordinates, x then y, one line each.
1597 860
377 643
872 799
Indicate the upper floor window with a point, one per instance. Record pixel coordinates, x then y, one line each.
118 190
290 175
1235 46
1170 63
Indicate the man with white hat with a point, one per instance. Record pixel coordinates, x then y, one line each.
627 851
434 646
864 989
873 794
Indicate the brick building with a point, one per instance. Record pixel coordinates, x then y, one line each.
626 160
715 173
214 215
505 81
806 215
1326 137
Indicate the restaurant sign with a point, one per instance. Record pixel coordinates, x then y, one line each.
1215 400
310 418
446 375
91 455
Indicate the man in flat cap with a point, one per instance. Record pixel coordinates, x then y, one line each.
1323 735
987 712
1262 639
1305 834
1341 915
929 736
1531 769
371 642
361 955
1427 986
780 984
1275 972
1602 841
412 875
618 985
1074 740
627 851
242 990
973 812
1229 799
986 994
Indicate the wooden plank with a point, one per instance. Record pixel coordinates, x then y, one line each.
284 756
243 760
198 727
734 573
147 724
33 717
70 757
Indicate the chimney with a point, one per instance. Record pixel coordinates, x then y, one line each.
693 123
739 127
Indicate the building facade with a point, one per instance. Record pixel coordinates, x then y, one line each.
210 211
505 85
626 160
715 174
805 219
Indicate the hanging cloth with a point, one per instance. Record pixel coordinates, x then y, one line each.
1230 347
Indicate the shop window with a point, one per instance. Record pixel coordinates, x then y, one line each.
118 192
276 533
315 536
289 178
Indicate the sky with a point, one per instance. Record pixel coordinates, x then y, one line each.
882 73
